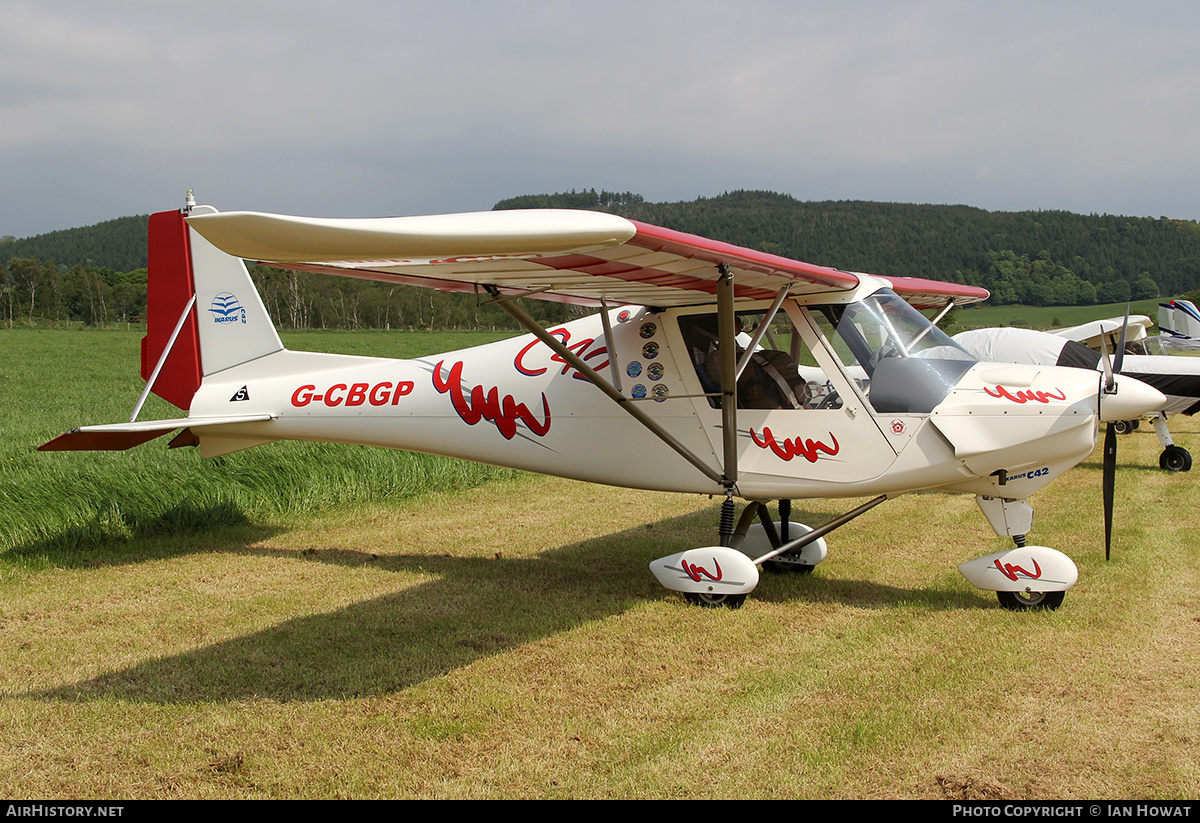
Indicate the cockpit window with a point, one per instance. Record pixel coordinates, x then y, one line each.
899 360
911 364
771 378
885 325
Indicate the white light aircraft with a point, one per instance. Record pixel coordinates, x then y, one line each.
1178 326
652 393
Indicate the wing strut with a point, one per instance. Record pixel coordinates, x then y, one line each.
761 331
610 342
727 336
531 325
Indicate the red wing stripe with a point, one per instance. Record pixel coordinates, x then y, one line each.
655 277
682 244
931 290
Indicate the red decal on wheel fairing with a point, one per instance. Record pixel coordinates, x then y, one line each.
1011 570
809 449
696 572
488 406
1024 396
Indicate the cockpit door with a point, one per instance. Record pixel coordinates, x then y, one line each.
802 424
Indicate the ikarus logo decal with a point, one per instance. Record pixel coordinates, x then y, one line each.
225 308
1032 473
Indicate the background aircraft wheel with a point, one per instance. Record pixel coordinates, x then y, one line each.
1022 601
787 567
1175 459
715 601
1125 426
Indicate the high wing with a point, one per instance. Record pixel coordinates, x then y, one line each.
554 254
1090 333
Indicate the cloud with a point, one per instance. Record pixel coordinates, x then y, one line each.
385 108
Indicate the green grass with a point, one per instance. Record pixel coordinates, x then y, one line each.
65 502
1048 317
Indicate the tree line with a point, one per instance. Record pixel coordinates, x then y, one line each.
36 293
97 275
1035 257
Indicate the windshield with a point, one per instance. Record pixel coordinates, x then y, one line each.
911 364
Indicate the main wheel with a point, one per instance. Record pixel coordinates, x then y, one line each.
1175 459
1023 601
787 567
715 601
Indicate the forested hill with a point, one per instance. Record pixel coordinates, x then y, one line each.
118 244
1038 257
96 275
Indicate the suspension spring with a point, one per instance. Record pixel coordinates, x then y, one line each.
727 515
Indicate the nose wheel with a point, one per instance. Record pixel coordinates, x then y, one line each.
1125 426
1175 459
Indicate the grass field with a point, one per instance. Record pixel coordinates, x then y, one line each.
506 639
1050 317
54 504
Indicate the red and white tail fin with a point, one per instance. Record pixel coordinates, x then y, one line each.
227 324
204 315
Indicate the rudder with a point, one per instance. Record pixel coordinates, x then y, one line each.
169 287
227 325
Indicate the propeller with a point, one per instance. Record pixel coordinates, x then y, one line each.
1111 370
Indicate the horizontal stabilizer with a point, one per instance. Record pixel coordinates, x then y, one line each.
121 436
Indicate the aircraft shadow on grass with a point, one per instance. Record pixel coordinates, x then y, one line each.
104 539
474 608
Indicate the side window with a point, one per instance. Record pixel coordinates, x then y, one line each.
780 373
826 319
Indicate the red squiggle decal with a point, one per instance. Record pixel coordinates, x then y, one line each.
1011 570
518 361
1024 396
488 406
809 449
696 572
579 348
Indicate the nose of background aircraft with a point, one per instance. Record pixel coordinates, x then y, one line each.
1130 400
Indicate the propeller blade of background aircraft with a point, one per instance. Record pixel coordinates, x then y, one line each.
1109 379
1121 345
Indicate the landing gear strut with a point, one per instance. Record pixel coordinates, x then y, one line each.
723 575
1173 458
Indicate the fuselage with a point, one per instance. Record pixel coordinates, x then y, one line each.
982 428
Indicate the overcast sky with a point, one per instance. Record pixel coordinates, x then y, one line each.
370 108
